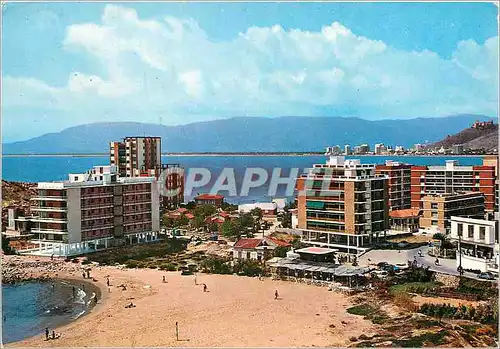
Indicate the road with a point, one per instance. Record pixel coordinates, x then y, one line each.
446 266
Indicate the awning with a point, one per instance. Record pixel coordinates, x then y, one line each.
315 204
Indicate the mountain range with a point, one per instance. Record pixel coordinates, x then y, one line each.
471 138
250 134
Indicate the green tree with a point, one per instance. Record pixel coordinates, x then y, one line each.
280 251
228 229
6 247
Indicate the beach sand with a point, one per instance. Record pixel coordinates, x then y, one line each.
235 312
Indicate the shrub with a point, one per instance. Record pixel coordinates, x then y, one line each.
131 264
86 261
215 265
248 268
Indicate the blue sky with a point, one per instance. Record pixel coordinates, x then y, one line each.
65 64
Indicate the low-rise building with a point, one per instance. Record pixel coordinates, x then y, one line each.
406 220
477 240
257 249
268 208
209 199
439 208
458 149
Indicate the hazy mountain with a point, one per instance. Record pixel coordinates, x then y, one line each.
246 134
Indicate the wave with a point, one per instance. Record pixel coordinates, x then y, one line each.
78 315
80 296
91 299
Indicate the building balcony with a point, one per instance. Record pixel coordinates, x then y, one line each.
92 207
50 198
91 217
137 202
136 212
49 209
48 231
48 219
106 226
96 195
318 219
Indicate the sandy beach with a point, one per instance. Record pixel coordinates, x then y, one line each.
235 312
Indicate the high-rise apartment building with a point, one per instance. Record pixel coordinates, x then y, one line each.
492 160
399 184
452 178
173 179
90 210
342 204
137 156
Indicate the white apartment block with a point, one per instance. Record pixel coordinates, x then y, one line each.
478 243
90 210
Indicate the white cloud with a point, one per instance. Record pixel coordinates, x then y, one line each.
170 68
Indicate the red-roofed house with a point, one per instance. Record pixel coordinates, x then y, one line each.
257 249
209 199
406 220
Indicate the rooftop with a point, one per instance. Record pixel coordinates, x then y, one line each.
209 197
410 212
315 250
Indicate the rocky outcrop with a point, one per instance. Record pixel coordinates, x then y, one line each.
17 269
16 195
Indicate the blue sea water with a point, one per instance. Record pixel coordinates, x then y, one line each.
29 307
50 168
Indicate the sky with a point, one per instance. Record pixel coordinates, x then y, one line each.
67 64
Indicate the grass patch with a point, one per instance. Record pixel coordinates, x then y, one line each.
415 287
429 338
362 309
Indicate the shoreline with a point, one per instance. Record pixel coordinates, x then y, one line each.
63 272
237 154
230 314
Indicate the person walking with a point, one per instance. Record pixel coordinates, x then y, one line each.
164 279
436 262
205 288
47 333
83 274
107 281
276 294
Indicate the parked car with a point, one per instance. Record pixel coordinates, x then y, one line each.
486 276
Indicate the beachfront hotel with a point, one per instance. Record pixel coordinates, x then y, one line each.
92 211
438 209
453 178
399 184
342 204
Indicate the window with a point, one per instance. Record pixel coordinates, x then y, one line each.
434 223
460 229
482 233
434 205
470 232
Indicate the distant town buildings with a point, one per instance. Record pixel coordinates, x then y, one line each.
458 149
348 214
481 125
380 149
347 149
419 147
267 208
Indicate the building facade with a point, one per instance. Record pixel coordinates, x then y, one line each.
399 184
90 210
172 177
439 208
209 199
477 242
342 204
137 156
451 178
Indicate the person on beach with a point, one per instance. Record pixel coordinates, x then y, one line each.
83 288
47 333
83 274
205 288
95 300
52 257
107 281
164 279
53 334
195 280
276 294
88 274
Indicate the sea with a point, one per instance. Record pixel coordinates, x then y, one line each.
30 307
53 168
